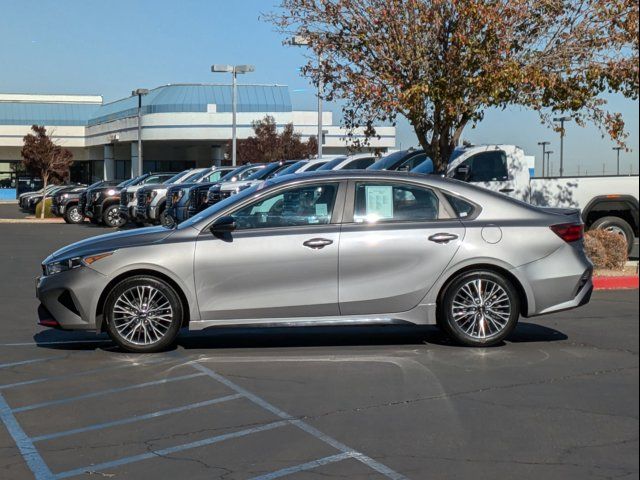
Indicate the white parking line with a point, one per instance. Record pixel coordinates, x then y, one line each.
27 362
304 467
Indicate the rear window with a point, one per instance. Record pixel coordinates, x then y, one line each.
461 207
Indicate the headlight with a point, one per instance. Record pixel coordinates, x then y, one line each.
71 263
66 195
111 192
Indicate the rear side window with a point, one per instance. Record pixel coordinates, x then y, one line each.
376 203
461 207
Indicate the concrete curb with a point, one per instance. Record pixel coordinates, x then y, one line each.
616 283
32 220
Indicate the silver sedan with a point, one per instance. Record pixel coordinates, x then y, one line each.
326 248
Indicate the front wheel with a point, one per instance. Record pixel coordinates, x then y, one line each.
143 314
112 218
479 308
73 215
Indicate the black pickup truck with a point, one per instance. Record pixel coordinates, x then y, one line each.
66 204
102 203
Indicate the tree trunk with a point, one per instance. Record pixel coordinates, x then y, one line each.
45 179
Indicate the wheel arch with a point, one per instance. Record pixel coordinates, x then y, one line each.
525 298
625 207
99 313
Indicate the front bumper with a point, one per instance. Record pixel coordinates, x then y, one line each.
69 299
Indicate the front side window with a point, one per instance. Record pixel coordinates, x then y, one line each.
383 202
484 167
306 205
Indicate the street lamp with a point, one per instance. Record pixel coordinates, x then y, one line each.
562 120
234 70
140 92
302 41
617 149
544 148
548 154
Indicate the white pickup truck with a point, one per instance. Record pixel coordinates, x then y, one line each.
606 202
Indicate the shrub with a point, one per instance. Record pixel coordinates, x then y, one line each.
47 209
606 249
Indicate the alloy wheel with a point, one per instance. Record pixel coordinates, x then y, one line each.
481 308
142 315
74 215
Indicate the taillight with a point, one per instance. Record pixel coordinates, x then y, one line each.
569 232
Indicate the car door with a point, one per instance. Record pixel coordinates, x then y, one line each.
488 169
280 262
397 238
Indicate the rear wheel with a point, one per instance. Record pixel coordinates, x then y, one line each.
112 218
479 308
73 215
615 225
143 314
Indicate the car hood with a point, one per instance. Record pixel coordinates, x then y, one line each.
111 242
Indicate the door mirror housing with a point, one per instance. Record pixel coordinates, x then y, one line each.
223 225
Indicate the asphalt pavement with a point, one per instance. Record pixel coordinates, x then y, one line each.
558 400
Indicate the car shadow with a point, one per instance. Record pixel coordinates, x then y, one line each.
288 337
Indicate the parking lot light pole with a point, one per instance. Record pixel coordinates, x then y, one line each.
548 154
617 149
140 92
234 70
544 148
562 120
302 41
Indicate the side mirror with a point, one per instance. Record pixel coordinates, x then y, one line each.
223 225
462 172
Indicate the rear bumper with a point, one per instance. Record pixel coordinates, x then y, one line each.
560 281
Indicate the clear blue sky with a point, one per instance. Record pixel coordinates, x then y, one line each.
111 47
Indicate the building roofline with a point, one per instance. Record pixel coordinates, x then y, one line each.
51 98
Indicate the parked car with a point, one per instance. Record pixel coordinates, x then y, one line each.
128 198
151 199
224 190
606 202
198 194
412 249
403 160
103 203
304 166
177 197
65 203
32 201
23 198
352 162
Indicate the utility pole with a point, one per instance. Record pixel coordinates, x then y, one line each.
562 120
140 92
549 169
544 149
617 149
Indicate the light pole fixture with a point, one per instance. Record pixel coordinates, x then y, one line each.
139 92
303 41
234 70
548 154
562 120
617 149
544 149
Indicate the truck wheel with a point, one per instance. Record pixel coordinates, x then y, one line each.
615 225
112 218
73 215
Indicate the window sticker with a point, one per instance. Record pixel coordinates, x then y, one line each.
321 209
379 200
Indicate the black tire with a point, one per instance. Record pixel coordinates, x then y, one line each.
111 217
163 217
471 327
616 225
120 334
73 215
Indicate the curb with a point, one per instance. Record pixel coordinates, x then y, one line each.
615 283
32 220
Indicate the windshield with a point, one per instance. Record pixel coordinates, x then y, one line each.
213 209
315 166
195 176
389 161
293 168
425 167
264 172
176 177
332 164
130 181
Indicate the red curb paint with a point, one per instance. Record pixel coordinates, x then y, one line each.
615 283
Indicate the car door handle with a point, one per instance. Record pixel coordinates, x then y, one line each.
506 190
443 237
317 243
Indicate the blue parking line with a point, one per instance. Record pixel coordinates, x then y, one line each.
80 374
304 467
25 446
27 362
61 401
170 450
136 418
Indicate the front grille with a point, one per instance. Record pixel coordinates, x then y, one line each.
124 197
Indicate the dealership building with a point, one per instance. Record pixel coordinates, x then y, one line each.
182 126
